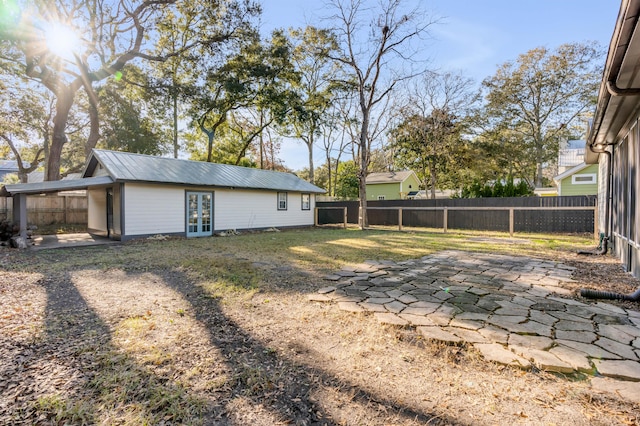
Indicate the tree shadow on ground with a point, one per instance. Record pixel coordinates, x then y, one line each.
74 374
268 379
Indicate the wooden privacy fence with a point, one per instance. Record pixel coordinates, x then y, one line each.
49 209
526 214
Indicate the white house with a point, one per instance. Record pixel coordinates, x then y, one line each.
134 195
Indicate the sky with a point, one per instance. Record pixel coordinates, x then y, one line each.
473 37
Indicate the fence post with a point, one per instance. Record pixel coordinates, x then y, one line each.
400 219
345 217
596 234
445 219
511 222
315 217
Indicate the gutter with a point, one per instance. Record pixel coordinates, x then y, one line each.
618 48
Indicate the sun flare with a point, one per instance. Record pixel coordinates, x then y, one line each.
62 41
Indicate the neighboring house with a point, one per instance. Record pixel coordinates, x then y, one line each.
424 195
8 167
392 185
546 192
134 196
571 155
578 180
613 140
34 177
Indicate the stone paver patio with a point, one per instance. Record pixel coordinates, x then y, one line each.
510 308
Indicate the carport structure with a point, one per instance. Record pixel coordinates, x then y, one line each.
19 193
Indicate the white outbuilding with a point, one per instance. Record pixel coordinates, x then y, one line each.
135 196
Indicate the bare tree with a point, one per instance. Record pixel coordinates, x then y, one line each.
336 137
428 138
378 48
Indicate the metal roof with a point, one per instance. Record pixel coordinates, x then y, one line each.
54 186
128 167
388 177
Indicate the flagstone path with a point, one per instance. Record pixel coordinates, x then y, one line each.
510 308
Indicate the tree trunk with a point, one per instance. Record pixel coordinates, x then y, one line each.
329 189
210 144
64 102
432 173
262 154
175 125
364 165
309 143
94 132
538 180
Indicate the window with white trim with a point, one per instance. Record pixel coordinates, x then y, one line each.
380 197
306 202
584 179
282 200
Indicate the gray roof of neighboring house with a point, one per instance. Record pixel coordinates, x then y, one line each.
575 144
388 177
11 165
127 167
35 177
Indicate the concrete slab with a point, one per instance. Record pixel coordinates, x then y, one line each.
499 302
625 370
390 319
577 360
543 360
497 353
437 333
44 242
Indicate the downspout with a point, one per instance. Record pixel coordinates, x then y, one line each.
608 189
611 73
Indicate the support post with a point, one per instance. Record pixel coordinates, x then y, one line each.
596 234
511 222
315 217
20 213
345 216
400 219
445 219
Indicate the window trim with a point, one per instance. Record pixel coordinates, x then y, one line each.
593 179
381 197
302 196
285 200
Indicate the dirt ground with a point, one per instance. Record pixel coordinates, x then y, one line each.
159 346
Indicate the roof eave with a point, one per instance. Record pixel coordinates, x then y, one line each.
614 105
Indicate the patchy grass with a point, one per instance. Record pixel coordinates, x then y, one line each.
219 331
54 229
227 259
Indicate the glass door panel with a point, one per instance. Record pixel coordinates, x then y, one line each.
199 214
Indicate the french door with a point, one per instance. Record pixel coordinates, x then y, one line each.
199 214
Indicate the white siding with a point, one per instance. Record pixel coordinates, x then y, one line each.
160 209
244 209
97 210
153 209
99 171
